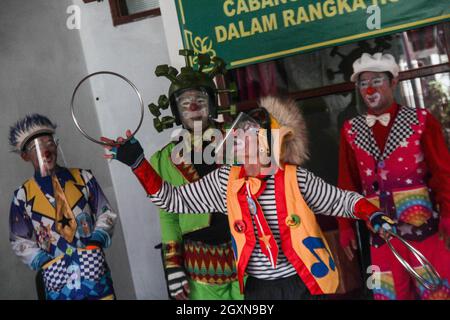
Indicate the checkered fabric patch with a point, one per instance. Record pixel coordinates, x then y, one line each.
401 131
55 276
92 264
364 138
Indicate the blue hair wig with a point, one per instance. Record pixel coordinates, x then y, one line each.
28 127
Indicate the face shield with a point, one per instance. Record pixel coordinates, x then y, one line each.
42 151
193 107
248 141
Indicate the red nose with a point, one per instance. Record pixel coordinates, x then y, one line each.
370 91
47 154
193 107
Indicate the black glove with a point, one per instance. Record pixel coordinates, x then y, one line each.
129 153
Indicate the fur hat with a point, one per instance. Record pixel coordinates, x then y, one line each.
288 114
378 62
25 129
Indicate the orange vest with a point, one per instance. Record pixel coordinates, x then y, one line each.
302 240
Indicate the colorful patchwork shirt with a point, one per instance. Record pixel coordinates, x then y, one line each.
33 234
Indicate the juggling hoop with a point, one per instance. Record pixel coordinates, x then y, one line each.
75 120
435 279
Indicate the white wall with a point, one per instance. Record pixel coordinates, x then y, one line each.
172 32
40 62
134 50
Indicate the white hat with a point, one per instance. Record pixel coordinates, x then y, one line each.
376 63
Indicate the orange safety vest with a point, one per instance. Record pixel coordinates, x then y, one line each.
302 240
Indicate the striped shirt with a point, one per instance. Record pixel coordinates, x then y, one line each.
209 195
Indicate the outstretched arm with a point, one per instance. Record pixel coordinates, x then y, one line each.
204 195
324 198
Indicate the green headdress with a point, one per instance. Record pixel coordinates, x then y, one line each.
188 78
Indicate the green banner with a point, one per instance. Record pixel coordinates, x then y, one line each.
244 32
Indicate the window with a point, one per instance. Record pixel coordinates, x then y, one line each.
324 75
124 11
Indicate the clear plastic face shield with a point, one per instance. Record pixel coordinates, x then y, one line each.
42 152
193 107
248 141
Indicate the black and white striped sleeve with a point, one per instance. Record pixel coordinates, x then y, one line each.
204 195
324 198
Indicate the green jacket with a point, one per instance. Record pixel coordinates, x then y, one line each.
174 226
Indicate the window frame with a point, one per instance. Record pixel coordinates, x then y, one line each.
119 19
345 87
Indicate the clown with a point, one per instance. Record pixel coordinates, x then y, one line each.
270 205
397 157
196 249
45 230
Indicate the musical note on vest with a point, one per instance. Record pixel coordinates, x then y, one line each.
319 269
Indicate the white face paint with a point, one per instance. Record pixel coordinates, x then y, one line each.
193 106
373 101
190 117
376 90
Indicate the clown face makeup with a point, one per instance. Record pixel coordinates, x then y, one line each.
241 141
42 153
372 99
255 141
376 90
193 106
